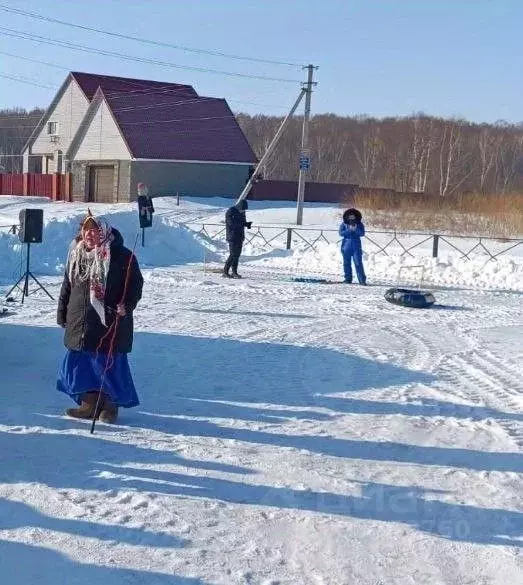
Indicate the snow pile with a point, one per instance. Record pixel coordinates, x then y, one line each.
505 273
166 244
175 239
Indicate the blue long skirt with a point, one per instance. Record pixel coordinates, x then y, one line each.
82 371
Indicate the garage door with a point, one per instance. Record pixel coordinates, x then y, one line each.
101 184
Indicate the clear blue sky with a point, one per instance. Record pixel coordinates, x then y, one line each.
459 58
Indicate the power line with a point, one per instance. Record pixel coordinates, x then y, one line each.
137 93
83 48
167 89
142 40
113 94
121 123
26 80
34 61
188 132
175 120
152 106
4 112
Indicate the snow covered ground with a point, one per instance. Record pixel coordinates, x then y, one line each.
289 433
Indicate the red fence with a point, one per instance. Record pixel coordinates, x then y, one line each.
40 185
56 186
11 184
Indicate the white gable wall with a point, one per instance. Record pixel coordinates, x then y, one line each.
68 113
102 139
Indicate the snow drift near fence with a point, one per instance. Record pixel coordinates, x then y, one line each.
170 243
505 273
166 244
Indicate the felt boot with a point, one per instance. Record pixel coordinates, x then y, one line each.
86 408
109 413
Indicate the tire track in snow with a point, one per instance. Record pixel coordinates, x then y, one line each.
482 380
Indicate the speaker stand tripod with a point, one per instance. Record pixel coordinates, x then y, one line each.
25 278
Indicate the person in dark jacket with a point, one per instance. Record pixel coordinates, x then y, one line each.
235 224
102 286
352 230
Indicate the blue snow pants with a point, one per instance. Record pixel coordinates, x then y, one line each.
353 253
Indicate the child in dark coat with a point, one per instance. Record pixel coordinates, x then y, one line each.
352 230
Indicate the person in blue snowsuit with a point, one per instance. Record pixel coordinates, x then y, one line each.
352 230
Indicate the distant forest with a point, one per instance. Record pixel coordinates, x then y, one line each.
416 153
16 126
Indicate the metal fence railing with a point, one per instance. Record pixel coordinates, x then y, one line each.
382 242
10 229
375 241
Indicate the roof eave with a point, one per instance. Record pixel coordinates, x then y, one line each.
194 161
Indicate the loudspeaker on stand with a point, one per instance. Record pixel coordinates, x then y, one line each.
31 226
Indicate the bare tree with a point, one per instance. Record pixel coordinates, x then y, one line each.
422 149
367 154
488 146
454 167
510 157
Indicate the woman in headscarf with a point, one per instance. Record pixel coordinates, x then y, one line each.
101 288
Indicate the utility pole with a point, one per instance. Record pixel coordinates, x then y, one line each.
305 159
271 146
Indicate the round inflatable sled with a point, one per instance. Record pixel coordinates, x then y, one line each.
406 297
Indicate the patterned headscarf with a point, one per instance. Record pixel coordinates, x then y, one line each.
92 265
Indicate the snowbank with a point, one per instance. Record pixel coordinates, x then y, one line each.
169 242
506 273
166 244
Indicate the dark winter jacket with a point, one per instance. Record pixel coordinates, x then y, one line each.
351 237
235 224
83 327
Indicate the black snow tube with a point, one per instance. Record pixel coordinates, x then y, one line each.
406 297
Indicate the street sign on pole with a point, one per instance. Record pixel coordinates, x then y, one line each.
305 160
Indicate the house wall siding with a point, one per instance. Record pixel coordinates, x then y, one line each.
102 140
194 179
68 112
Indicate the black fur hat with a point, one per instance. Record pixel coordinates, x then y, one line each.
353 212
243 205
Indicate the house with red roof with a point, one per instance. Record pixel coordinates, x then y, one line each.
112 133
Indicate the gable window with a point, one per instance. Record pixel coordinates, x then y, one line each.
52 128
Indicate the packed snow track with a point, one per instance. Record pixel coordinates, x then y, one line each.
289 433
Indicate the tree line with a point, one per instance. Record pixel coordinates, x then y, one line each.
16 125
415 153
